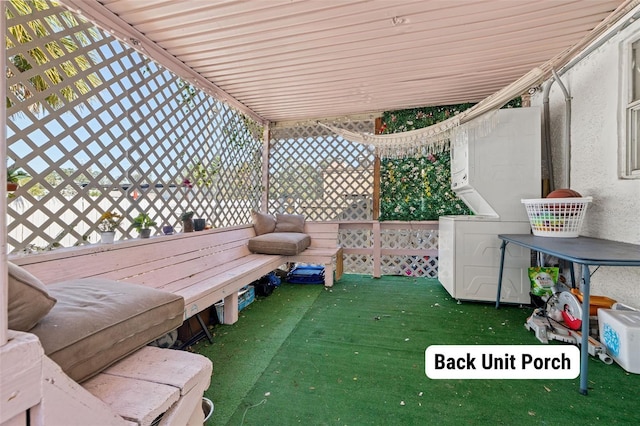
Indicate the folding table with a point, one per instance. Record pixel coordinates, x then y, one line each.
585 251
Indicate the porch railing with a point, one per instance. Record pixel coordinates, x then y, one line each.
390 248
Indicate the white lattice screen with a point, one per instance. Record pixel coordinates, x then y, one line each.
397 239
357 238
416 266
324 177
100 127
319 174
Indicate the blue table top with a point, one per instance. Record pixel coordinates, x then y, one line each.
581 250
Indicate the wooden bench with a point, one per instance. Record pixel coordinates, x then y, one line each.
202 267
151 386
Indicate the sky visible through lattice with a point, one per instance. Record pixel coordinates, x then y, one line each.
116 132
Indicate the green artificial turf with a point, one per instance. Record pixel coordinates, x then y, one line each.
241 352
354 355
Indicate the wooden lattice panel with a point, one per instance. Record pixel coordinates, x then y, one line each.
411 266
100 127
319 174
394 239
417 239
357 239
358 264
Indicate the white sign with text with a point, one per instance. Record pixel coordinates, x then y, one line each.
502 362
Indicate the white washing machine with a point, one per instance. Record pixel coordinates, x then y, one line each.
491 174
469 259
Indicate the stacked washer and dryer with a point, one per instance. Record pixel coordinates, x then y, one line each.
491 173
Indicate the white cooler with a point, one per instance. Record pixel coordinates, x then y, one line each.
620 333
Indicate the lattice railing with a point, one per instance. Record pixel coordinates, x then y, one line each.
390 248
319 174
100 127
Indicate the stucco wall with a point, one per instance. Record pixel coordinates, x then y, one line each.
594 85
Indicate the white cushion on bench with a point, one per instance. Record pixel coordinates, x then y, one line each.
263 223
289 223
284 243
97 322
29 300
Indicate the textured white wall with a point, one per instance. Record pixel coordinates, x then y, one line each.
594 85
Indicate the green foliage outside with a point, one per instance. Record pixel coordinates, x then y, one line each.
420 188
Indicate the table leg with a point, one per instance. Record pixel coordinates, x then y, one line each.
503 248
573 275
584 346
204 328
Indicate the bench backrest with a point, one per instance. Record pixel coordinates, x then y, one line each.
151 261
323 234
126 259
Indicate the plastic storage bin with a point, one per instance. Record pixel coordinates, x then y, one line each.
306 274
556 217
246 297
620 333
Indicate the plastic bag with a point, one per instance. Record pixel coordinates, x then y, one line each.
542 280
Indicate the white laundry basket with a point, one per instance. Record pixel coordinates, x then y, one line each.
556 217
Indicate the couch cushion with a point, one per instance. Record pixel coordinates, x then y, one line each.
29 300
289 223
263 223
97 322
284 243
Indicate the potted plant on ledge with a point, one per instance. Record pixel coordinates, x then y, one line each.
187 221
107 224
143 223
14 176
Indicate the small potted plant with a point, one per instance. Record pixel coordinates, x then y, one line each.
14 176
107 224
143 223
187 221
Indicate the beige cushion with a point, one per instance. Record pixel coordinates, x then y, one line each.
29 299
289 223
97 322
263 223
284 243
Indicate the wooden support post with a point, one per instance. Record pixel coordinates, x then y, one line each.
376 188
21 371
4 285
377 246
266 137
231 308
376 176
339 264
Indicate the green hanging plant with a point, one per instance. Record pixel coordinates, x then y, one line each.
203 175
